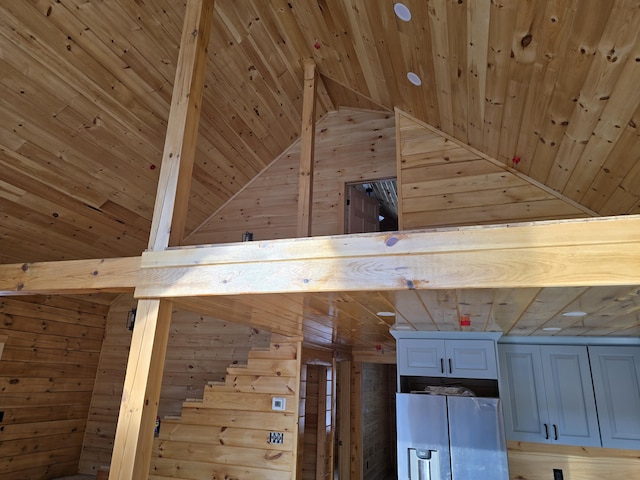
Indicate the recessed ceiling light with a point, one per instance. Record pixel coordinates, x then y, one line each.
386 314
415 79
551 329
574 314
402 12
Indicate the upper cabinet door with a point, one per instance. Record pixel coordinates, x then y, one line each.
471 359
570 399
616 381
421 357
522 392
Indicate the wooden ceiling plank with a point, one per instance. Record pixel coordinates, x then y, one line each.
478 17
442 308
618 172
364 50
500 38
526 51
109 49
48 46
579 49
546 304
441 56
457 31
559 16
625 198
617 42
619 110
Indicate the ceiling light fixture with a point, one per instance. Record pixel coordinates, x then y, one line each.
551 329
386 314
402 11
574 314
414 78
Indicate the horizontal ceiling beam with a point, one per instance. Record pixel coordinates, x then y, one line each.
70 277
595 251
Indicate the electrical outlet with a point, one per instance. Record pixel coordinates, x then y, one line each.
276 438
557 474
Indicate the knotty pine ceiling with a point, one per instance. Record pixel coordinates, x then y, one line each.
548 87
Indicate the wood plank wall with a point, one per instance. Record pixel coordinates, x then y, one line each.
534 461
226 434
351 146
378 421
200 350
442 183
47 375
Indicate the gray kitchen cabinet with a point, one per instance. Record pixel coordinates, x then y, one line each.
447 358
548 395
616 382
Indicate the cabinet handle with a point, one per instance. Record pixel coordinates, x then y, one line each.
450 367
546 431
555 432
442 366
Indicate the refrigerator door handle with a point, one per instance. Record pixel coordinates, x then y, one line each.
420 463
546 431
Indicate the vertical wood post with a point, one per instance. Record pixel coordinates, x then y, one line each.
305 184
133 444
344 420
356 421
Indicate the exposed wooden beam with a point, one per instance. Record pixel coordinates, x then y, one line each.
586 252
172 199
70 277
139 406
305 184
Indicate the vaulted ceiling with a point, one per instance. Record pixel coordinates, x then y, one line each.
547 87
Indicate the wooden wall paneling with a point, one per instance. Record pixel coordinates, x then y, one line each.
537 461
376 410
267 206
200 349
445 184
227 432
50 357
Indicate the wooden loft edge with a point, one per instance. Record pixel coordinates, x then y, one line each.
583 252
500 164
70 277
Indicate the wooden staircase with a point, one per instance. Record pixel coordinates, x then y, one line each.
226 434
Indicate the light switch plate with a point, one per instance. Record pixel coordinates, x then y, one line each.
278 404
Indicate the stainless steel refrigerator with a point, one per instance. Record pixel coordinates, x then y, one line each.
450 438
